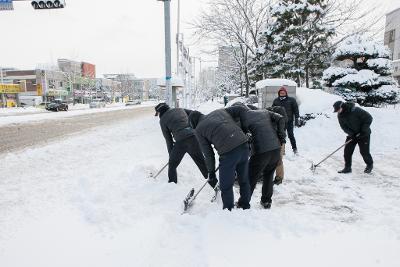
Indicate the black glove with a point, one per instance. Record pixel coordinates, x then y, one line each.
212 179
296 122
355 137
282 141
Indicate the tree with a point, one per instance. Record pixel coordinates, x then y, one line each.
362 71
234 23
296 44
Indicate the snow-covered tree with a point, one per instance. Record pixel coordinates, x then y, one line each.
362 71
296 44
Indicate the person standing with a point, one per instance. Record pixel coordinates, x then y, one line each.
219 129
292 112
266 146
174 124
355 122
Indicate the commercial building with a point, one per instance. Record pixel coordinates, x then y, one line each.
392 39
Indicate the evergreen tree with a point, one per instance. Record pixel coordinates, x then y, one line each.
362 72
296 44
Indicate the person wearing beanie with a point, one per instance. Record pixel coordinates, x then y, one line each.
219 129
355 122
180 139
292 112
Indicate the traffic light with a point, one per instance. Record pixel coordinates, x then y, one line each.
48 4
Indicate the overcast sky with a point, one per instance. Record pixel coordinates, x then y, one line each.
116 35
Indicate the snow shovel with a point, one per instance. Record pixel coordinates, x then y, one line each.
187 202
314 166
158 173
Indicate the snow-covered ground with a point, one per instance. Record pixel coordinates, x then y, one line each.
31 114
96 206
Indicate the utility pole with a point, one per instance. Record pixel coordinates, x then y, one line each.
170 97
3 100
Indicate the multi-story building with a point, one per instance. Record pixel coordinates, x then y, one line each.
392 39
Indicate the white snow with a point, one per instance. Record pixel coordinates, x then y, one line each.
362 77
360 45
275 82
94 204
7 116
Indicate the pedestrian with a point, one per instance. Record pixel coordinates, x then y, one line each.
226 100
266 146
279 172
355 122
174 124
292 112
219 129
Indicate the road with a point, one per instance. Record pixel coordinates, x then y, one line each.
19 136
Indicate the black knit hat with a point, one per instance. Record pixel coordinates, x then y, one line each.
161 108
337 106
194 118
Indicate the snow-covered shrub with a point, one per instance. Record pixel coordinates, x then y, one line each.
367 79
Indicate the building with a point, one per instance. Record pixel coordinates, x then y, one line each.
392 39
227 59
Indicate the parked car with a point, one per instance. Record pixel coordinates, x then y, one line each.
57 105
133 102
98 103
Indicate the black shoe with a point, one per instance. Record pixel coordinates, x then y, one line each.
240 205
172 181
295 151
345 170
369 168
278 180
266 205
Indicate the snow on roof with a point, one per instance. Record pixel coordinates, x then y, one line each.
275 82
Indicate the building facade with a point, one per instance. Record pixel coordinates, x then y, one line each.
392 39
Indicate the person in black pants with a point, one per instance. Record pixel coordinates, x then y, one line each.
175 125
355 122
266 146
219 129
292 112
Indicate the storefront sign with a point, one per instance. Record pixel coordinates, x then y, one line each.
10 88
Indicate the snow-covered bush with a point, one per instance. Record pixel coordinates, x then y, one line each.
367 78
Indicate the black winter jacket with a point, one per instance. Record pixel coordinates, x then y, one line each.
354 120
281 111
260 123
290 105
175 124
218 128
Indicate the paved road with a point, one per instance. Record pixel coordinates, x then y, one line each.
16 137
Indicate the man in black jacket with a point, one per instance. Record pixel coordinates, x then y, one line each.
292 112
266 146
219 129
355 122
175 126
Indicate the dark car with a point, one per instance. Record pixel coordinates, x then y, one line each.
57 105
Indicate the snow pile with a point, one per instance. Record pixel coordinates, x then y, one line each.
275 82
82 210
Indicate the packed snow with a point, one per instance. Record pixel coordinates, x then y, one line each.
95 204
275 82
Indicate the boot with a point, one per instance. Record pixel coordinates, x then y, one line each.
278 180
345 170
369 168
295 151
240 205
266 205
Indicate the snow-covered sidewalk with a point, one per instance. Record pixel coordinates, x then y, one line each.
95 205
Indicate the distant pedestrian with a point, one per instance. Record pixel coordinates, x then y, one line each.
226 100
355 122
292 112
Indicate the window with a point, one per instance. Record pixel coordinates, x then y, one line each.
392 36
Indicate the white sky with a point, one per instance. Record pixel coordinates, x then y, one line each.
117 35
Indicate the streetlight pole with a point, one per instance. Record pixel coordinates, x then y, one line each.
169 98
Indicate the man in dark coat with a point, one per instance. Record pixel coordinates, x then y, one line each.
175 126
219 129
266 146
355 122
292 112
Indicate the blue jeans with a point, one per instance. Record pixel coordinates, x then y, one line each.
235 161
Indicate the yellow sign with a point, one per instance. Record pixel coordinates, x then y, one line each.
39 89
10 88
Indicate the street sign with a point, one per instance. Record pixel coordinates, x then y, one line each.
6 5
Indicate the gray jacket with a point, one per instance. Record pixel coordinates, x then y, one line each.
218 128
175 124
261 125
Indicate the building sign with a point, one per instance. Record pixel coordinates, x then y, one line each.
6 5
10 88
39 89
54 92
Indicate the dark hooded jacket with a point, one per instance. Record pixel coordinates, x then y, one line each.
218 129
281 111
354 120
290 105
175 125
261 125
